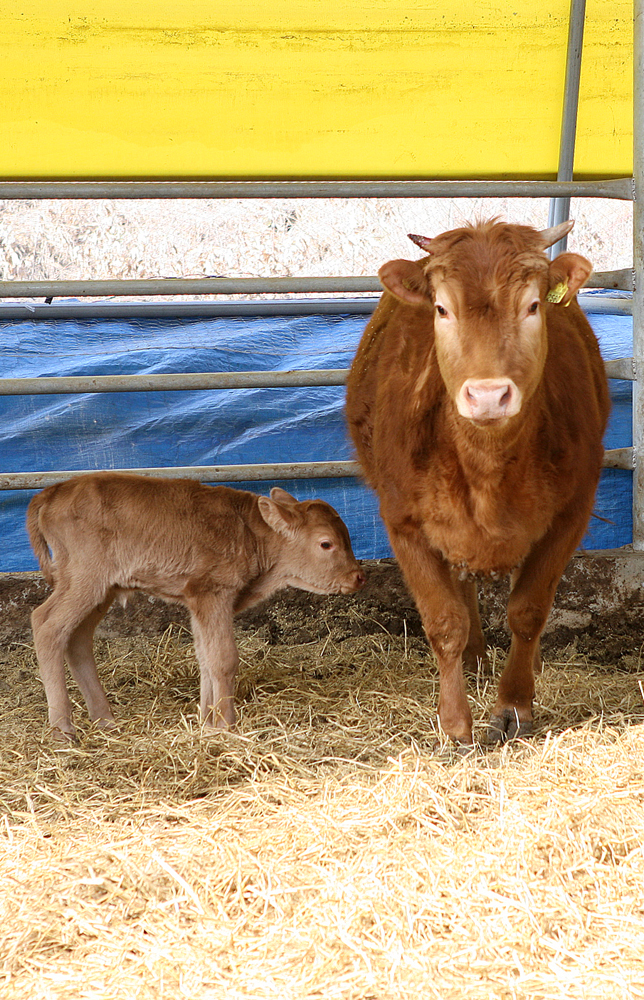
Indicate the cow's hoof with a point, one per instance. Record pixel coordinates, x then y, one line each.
507 726
447 751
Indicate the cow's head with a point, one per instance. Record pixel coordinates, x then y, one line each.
488 287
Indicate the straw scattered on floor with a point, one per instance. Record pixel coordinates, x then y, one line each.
327 849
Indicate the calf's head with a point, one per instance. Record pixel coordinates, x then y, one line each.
487 287
315 551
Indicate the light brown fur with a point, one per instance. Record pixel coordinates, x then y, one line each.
214 549
506 496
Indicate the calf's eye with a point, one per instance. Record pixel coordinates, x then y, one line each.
441 310
326 545
533 307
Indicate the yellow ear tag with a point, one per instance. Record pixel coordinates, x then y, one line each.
557 293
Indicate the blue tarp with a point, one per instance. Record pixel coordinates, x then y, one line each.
139 430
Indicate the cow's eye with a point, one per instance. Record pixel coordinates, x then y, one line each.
326 545
441 310
534 307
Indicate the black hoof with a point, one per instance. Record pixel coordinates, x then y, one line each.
505 727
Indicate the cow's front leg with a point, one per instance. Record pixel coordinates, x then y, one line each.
212 627
531 598
446 621
475 656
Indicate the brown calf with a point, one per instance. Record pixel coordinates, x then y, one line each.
477 402
214 549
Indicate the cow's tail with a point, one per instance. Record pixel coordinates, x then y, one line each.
37 538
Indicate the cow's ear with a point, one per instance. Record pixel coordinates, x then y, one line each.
567 273
282 518
277 493
407 281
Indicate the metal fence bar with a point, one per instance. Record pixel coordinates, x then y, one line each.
621 187
186 286
203 473
172 382
232 286
209 308
638 263
560 207
610 307
618 458
621 279
621 368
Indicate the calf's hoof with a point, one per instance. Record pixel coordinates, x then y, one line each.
106 725
507 726
64 737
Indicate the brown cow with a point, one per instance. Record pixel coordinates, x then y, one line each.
477 402
214 549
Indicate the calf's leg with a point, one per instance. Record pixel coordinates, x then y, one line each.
80 657
446 621
53 623
212 627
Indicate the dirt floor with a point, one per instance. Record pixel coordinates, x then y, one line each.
597 613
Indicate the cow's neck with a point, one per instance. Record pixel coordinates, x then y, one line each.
486 454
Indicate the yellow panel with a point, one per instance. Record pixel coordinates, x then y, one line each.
307 88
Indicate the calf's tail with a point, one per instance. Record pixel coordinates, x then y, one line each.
38 540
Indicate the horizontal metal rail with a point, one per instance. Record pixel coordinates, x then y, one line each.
620 187
606 306
622 279
203 473
621 368
619 458
615 458
172 382
185 286
236 286
209 308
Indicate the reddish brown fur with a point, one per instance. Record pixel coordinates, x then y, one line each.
214 549
459 498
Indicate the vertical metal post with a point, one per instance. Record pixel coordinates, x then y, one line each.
638 265
560 207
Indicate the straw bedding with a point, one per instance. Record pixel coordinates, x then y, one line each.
333 847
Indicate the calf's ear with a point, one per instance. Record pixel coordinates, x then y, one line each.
407 281
567 273
277 493
282 518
